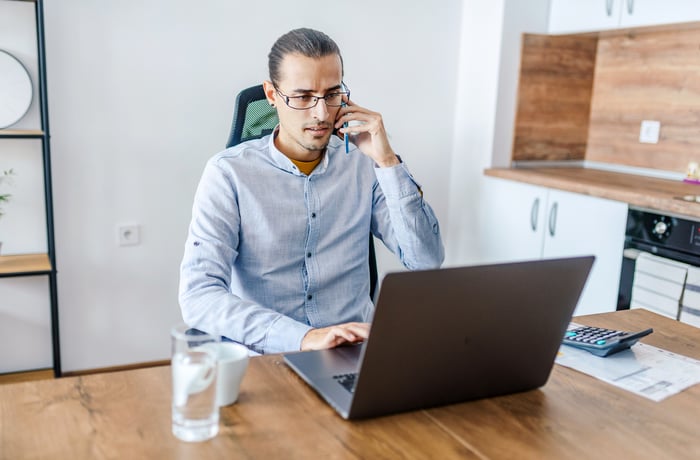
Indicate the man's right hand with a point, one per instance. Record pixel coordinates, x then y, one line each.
332 336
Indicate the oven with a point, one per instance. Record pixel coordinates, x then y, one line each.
661 265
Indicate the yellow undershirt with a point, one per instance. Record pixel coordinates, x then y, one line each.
307 166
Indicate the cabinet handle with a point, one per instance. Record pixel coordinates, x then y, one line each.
553 219
533 214
608 7
630 7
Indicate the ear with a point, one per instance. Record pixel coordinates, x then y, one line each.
270 92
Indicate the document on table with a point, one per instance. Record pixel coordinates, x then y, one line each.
643 369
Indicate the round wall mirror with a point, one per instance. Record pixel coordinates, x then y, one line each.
15 90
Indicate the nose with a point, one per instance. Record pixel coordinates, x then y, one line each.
320 110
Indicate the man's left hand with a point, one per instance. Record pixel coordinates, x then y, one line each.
369 134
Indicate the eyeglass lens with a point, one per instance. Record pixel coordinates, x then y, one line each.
307 102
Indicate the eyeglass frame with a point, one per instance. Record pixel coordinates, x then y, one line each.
286 98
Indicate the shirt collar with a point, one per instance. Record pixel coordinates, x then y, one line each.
284 163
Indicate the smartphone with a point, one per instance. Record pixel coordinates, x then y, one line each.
345 136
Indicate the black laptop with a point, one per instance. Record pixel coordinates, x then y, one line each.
450 335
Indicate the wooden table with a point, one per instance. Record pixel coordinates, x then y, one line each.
127 415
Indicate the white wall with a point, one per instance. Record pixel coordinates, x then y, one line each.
141 95
489 59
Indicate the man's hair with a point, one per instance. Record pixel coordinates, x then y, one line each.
307 42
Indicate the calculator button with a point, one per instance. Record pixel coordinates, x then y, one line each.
600 342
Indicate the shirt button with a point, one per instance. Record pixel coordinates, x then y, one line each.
309 297
308 254
313 215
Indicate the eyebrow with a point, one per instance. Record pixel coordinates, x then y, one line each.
310 91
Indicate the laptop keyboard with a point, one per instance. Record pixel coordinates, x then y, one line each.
347 381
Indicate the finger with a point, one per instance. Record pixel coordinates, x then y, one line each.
337 332
359 330
355 128
347 114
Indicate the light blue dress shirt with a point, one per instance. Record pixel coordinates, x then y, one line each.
272 252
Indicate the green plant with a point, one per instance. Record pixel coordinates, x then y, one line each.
5 177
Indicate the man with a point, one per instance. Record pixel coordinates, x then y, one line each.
277 256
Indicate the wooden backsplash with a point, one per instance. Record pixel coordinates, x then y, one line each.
638 75
650 76
554 97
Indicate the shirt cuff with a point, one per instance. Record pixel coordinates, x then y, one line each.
397 182
285 334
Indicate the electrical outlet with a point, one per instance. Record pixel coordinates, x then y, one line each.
129 234
649 132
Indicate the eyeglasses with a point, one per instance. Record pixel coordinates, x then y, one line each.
306 102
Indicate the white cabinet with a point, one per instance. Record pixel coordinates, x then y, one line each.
651 12
568 16
583 15
521 221
510 226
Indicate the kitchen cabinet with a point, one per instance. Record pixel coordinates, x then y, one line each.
566 16
521 221
569 16
28 286
637 13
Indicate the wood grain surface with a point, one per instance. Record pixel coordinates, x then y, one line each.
662 195
585 97
127 415
554 97
25 263
647 76
576 416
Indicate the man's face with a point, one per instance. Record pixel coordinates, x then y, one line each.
304 134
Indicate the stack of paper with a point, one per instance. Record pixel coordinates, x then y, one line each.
690 309
645 370
658 284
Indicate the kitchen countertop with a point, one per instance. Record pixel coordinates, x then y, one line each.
663 195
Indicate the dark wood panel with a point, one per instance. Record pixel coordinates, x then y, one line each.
556 80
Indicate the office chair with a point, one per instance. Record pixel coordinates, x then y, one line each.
253 118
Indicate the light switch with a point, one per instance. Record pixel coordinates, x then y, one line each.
649 132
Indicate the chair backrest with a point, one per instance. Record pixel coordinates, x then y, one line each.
253 118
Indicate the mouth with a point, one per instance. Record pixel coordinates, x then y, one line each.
318 130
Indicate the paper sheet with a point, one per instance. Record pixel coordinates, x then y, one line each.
643 369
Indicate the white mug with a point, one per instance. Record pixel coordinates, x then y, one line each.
232 362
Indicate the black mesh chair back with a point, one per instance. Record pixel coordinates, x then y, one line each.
253 118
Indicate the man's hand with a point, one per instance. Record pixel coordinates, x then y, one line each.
369 135
331 337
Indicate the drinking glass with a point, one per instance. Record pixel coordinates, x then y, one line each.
195 413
